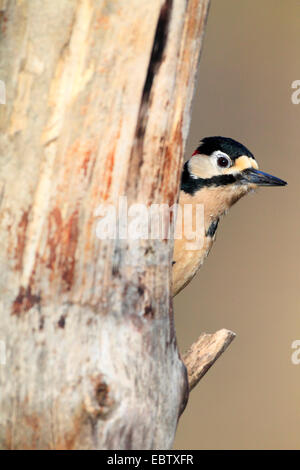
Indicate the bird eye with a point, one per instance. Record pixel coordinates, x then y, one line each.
223 162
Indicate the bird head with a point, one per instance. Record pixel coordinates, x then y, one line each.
226 168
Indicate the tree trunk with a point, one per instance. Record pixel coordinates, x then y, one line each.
98 97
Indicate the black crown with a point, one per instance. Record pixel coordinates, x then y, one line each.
231 147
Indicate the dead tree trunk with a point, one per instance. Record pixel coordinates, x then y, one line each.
98 97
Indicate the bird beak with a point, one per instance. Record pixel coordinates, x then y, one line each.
250 175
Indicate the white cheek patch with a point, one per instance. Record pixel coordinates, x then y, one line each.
203 166
200 166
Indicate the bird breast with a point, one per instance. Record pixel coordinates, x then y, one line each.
188 256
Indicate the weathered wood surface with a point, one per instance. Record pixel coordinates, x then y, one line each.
98 106
204 352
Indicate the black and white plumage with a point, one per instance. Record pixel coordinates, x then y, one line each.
218 174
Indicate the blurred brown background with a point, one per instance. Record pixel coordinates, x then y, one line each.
250 281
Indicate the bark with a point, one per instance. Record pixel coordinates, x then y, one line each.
98 97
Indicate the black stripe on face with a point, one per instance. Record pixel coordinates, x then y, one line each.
191 185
